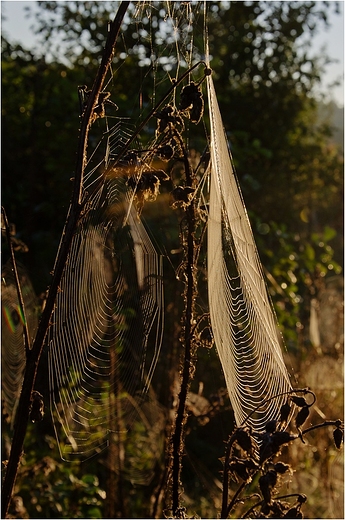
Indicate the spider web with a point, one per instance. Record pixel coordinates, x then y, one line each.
13 357
243 321
107 326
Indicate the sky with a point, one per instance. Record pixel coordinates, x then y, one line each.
17 28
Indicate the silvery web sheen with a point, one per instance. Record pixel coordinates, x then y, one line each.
243 322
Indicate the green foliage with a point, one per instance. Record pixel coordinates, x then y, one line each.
294 266
48 487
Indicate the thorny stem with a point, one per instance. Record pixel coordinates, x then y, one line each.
67 235
17 282
190 290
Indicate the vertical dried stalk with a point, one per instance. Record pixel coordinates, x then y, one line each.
70 226
190 291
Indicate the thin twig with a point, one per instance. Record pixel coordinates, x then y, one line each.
262 502
225 493
321 425
234 499
154 110
70 227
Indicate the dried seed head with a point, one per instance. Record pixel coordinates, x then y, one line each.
191 102
272 442
244 439
37 407
239 469
165 152
294 512
278 509
280 438
188 95
338 437
243 468
299 401
167 116
265 510
182 196
281 468
197 110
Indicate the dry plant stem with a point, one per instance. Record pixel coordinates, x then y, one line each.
321 425
225 495
16 278
115 497
234 499
152 112
262 502
70 227
304 391
177 437
159 492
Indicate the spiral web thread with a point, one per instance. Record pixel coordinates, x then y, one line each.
243 321
107 325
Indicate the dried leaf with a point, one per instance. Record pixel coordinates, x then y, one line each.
281 468
338 437
285 410
302 416
267 483
299 401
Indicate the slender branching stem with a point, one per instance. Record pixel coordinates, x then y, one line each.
225 495
152 112
258 504
321 425
234 499
69 230
304 391
190 291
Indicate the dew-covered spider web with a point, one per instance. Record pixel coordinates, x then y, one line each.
106 332
243 321
106 329
107 326
13 355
